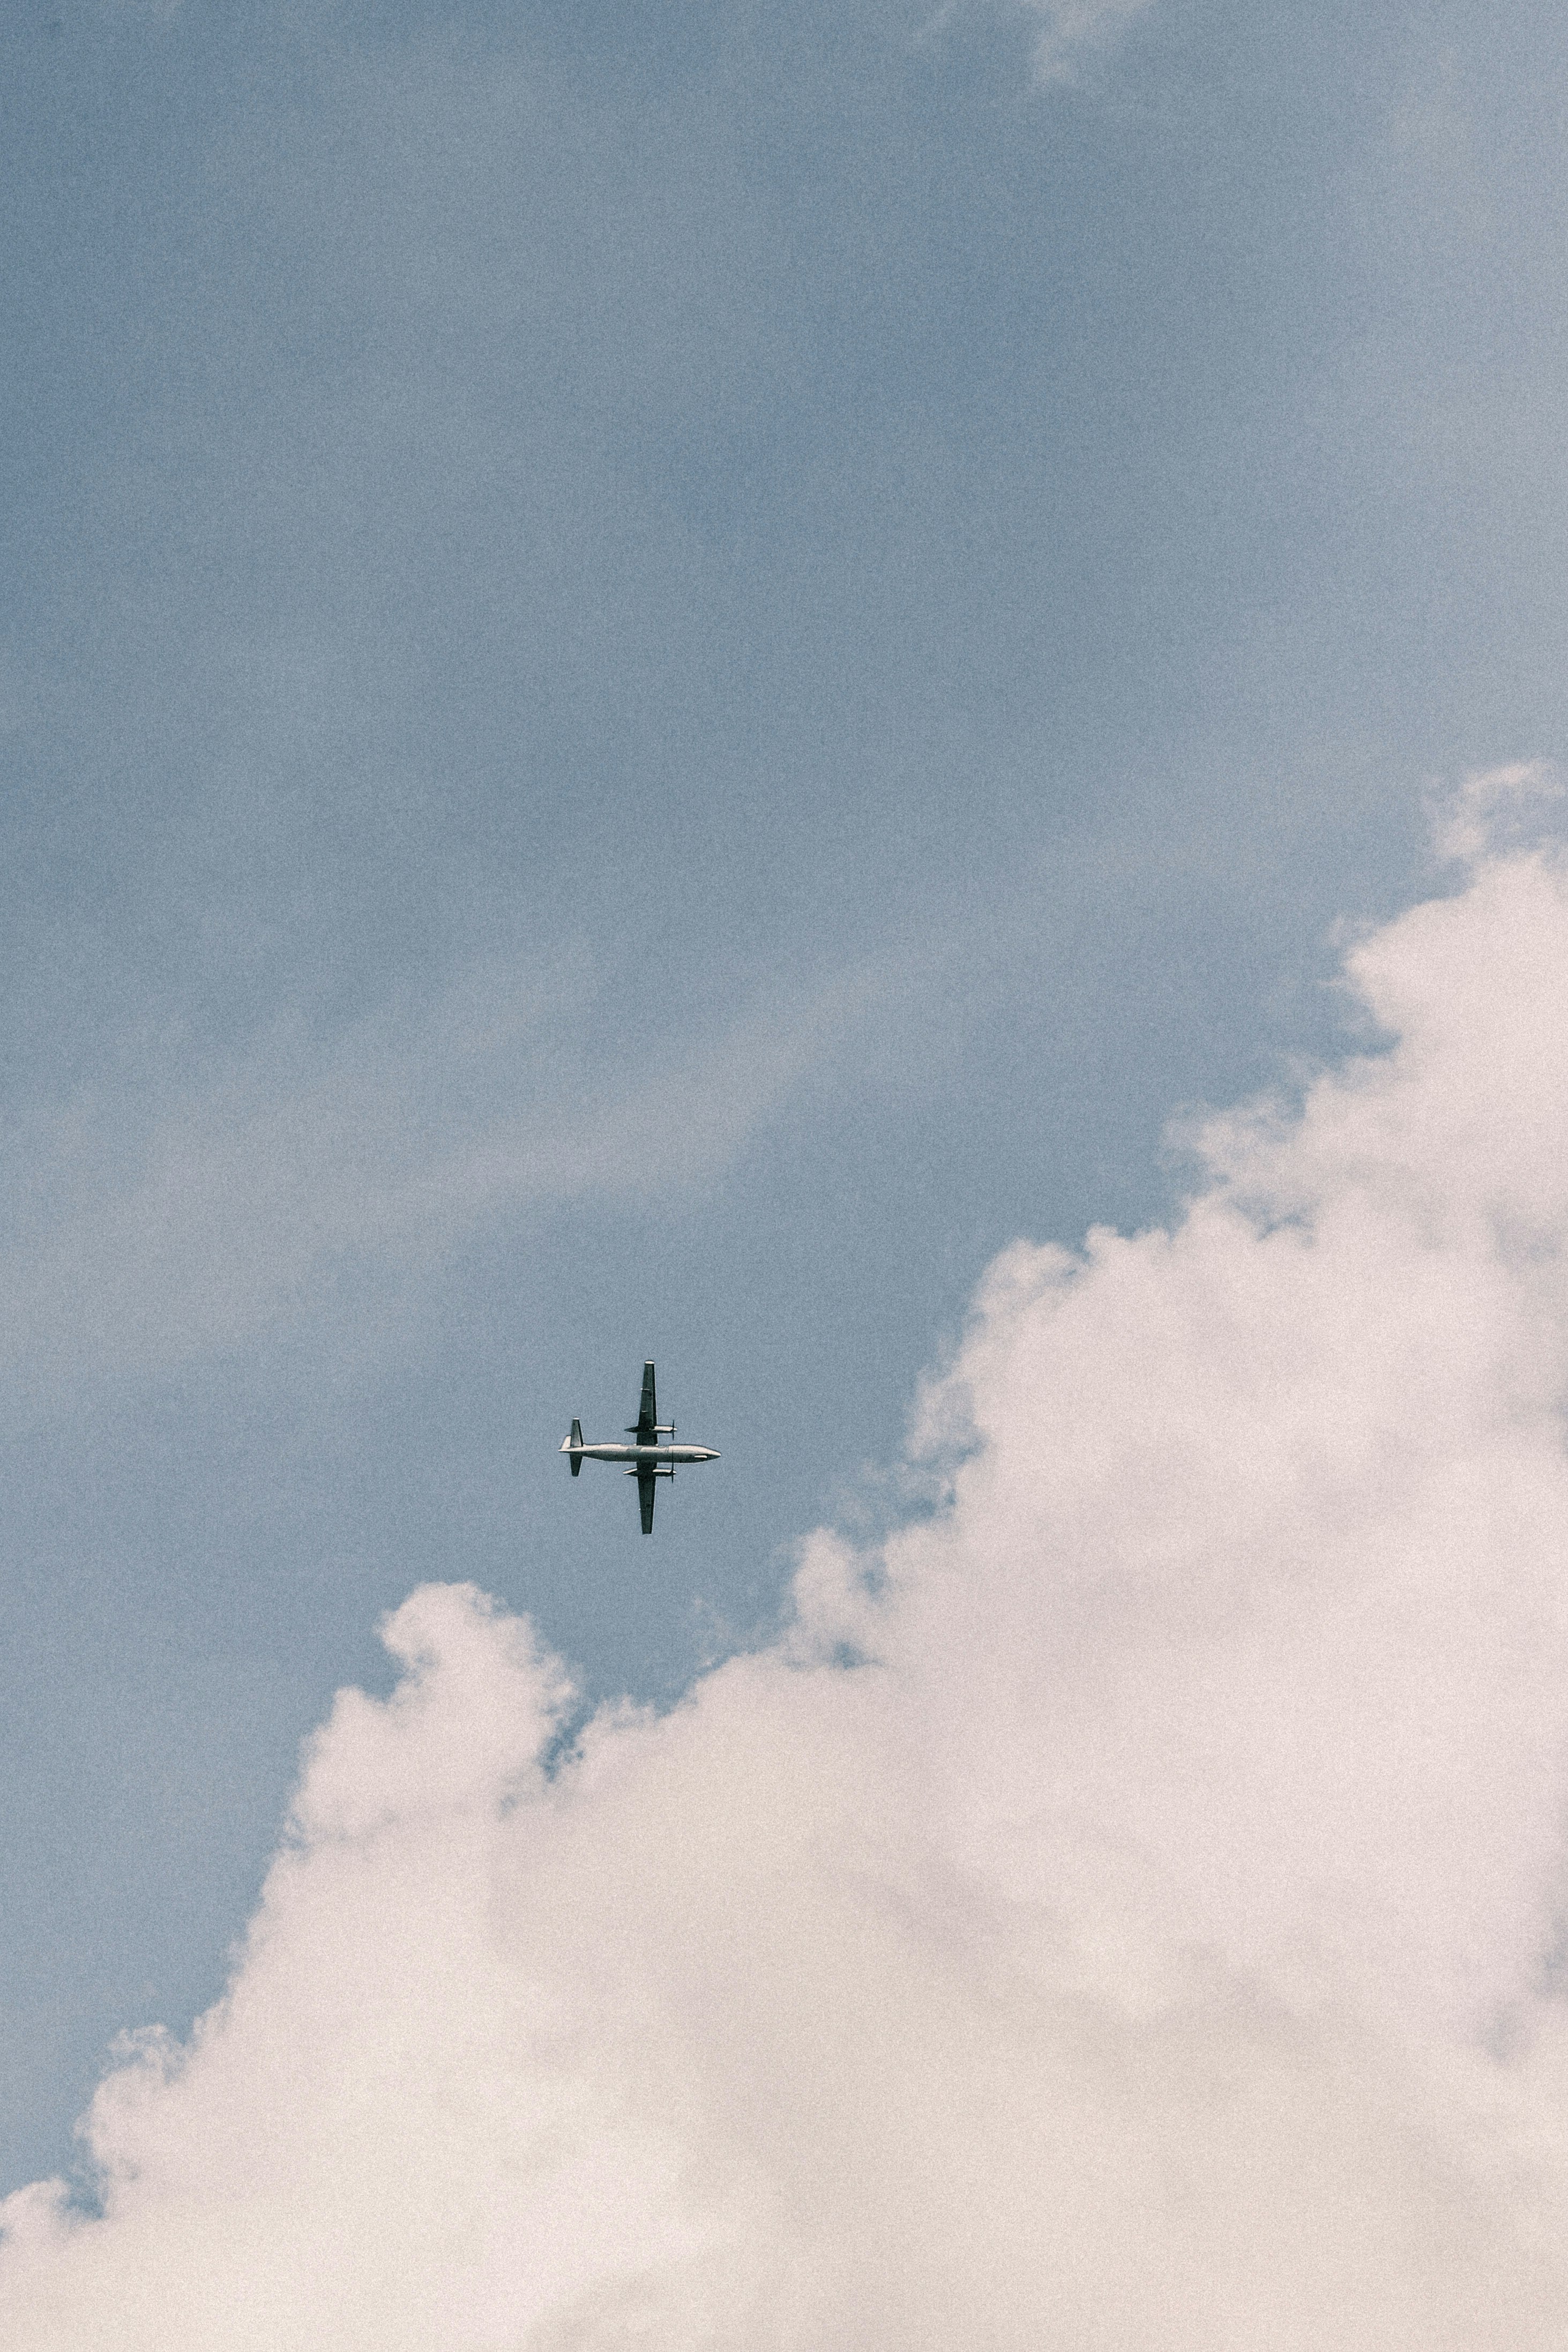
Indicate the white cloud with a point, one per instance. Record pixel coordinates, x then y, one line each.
1154 1943
1492 803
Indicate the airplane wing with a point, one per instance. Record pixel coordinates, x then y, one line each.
647 1411
645 1481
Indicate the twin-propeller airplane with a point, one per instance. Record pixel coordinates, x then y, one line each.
646 1458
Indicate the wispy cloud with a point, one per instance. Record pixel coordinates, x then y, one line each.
1155 1940
152 1220
1068 28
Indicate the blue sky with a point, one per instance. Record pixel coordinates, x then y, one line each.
664 674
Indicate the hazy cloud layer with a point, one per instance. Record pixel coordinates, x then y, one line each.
1152 1940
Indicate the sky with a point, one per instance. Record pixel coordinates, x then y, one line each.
671 679
1123 1904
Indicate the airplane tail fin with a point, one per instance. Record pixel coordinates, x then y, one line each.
574 1446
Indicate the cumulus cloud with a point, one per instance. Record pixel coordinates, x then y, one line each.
1124 1910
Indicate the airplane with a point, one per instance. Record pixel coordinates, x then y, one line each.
647 1460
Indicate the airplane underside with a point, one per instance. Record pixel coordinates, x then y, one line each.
645 1490
646 1459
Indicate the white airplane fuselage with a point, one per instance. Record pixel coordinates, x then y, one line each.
648 1453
